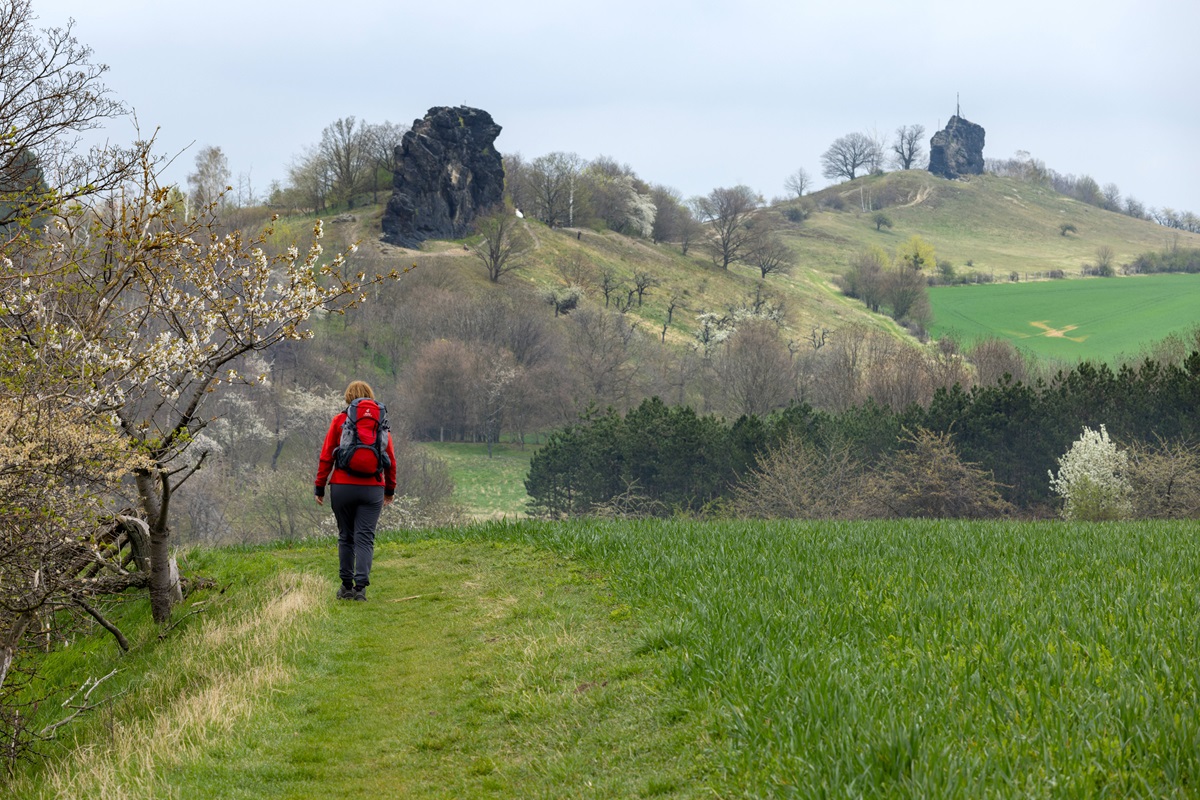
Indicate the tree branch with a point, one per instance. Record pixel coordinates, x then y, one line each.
104 623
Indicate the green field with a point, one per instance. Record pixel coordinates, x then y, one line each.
677 659
487 487
1097 319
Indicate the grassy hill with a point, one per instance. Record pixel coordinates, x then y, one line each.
987 224
1000 225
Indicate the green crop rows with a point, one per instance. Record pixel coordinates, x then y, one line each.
1071 320
925 659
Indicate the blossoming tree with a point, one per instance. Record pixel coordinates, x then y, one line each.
1091 479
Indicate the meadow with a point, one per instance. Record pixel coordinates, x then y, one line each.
754 659
1097 319
487 486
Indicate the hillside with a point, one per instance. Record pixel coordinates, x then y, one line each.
1000 225
990 225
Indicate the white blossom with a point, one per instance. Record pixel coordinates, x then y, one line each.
1091 479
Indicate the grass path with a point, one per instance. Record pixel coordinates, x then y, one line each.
474 670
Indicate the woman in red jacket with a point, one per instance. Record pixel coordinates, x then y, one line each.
357 495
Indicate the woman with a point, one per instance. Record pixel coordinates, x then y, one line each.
362 478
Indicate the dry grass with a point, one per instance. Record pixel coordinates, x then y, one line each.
233 662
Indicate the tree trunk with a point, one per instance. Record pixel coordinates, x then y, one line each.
164 575
9 639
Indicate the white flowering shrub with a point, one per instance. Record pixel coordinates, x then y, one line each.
1092 481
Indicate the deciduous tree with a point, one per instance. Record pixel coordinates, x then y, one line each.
848 155
798 182
756 370
382 139
346 148
161 312
51 93
552 183
503 244
211 179
770 255
908 148
728 213
1091 479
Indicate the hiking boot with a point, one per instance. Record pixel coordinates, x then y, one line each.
359 593
345 593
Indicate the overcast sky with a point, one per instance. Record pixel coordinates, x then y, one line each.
693 95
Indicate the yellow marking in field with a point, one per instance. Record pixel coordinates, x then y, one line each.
1058 333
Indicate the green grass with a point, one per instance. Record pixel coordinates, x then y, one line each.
487 487
1096 319
678 658
476 669
923 659
1001 225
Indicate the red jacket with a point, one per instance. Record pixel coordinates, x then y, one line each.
325 464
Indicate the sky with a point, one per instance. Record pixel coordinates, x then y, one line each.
693 95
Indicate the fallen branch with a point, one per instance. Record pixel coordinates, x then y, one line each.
411 597
86 705
198 608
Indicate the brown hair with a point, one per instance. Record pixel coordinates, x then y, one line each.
358 389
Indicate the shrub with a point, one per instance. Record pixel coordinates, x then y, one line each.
928 479
1092 479
798 480
1166 480
798 213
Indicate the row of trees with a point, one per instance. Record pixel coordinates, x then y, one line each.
733 224
353 158
987 451
861 153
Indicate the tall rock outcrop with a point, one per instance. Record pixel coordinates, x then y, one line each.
957 149
447 173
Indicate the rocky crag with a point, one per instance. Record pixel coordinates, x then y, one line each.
447 173
957 149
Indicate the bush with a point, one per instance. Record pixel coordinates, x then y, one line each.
798 480
1166 480
1179 259
798 213
928 479
1092 479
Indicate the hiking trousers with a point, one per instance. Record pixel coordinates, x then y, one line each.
356 509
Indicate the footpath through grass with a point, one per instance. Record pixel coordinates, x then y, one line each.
687 659
474 670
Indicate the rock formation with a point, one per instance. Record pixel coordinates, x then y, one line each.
957 149
447 173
